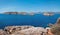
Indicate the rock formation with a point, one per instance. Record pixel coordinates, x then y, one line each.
2 32
12 29
55 29
23 30
32 31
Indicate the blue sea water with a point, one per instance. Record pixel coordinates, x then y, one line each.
35 20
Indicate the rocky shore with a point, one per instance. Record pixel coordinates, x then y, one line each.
31 30
22 30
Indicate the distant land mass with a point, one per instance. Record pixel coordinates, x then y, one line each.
31 13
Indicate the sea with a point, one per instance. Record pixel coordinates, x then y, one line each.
38 20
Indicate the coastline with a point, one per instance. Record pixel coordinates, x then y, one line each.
27 30
22 30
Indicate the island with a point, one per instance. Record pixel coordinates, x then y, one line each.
48 13
22 13
31 13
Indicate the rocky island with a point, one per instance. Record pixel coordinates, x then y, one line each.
22 13
31 13
10 12
48 13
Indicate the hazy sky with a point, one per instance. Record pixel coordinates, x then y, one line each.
30 5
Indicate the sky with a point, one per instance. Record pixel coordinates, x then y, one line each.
30 5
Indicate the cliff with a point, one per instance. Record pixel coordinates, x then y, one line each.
55 28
